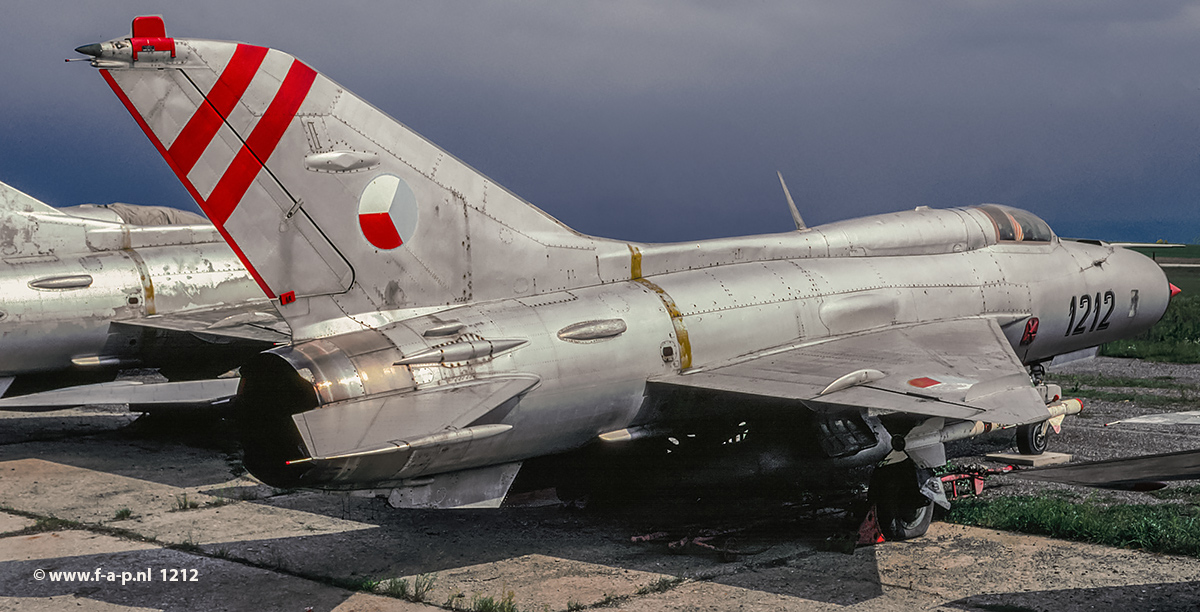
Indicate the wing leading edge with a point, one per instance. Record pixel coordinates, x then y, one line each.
963 369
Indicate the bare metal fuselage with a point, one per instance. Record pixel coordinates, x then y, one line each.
52 328
688 307
66 278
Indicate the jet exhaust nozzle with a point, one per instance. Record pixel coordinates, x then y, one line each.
284 382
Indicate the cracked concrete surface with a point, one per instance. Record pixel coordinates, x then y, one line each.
254 548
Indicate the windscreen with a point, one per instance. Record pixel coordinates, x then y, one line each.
1016 225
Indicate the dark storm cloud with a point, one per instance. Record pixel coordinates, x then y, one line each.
667 120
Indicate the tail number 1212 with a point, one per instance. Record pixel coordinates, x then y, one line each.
1087 307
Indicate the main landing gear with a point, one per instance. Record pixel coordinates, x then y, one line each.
903 495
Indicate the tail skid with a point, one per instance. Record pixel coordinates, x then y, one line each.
335 208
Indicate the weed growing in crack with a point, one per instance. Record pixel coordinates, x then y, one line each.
422 585
396 587
452 601
487 603
415 591
658 586
183 503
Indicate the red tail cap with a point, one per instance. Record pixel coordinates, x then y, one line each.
1175 290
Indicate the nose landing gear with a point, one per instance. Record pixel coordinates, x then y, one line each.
1032 439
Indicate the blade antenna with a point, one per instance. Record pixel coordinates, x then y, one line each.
791 204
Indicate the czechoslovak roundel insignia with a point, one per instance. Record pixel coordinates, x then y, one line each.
387 212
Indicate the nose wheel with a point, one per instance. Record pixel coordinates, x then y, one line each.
1032 438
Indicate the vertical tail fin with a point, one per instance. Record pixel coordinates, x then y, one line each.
29 227
13 200
336 208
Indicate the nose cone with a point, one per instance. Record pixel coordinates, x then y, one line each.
1175 290
1150 291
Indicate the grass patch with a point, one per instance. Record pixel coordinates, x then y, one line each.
1187 251
1144 399
1163 351
50 523
422 585
1085 386
1076 381
487 603
1163 529
1187 279
453 599
1190 493
415 591
189 544
183 503
44 524
122 514
1175 338
396 587
660 585
366 585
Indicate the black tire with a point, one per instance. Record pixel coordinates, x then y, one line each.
1032 439
905 523
902 511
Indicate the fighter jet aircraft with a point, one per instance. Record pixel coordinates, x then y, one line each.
88 290
444 331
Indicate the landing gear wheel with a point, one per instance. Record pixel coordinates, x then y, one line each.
1032 438
903 512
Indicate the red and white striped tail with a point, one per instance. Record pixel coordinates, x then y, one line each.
321 194
217 128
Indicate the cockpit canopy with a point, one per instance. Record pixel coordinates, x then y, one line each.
1016 225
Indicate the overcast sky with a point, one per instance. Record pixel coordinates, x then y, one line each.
666 121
